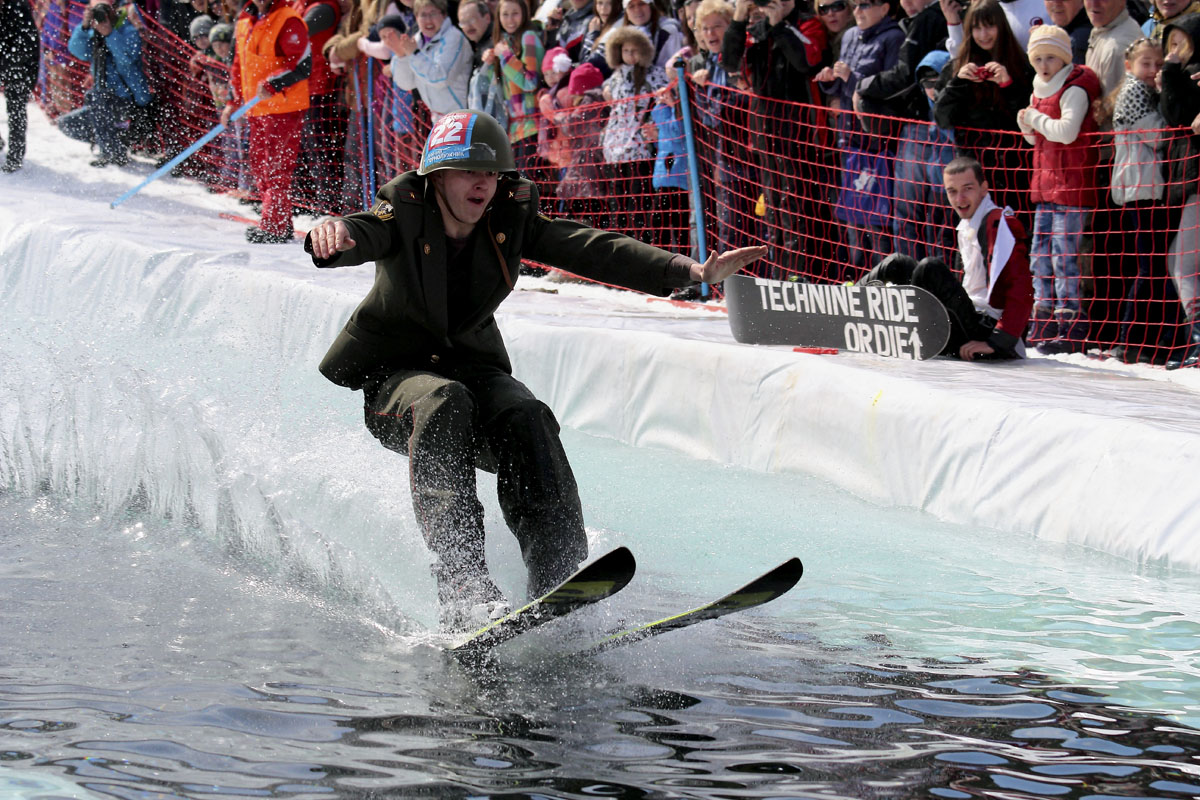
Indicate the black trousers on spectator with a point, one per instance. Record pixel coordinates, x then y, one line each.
628 191
16 100
671 215
1150 311
932 274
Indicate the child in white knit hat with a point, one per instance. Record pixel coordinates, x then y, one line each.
1060 126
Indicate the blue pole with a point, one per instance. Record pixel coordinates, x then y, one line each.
370 124
174 162
689 137
362 139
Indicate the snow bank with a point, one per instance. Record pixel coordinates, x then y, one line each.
1065 449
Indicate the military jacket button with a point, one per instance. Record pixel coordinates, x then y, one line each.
500 237
427 249
435 358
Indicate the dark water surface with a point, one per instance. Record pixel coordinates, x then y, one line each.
136 663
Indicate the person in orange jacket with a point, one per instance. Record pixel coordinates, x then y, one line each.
273 59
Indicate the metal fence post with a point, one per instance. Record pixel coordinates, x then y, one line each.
689 136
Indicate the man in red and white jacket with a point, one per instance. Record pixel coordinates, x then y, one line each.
272 60
989 310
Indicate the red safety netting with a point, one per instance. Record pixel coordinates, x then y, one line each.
828 192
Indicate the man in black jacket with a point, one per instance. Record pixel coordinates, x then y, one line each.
20 48
423 346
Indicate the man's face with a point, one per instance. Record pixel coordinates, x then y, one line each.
1103 12
221 49
1061 12
429 19
965 192
473 24
464 194
102 28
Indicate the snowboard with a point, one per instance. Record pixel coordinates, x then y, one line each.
895 321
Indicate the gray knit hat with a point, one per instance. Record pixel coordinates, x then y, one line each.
221 32
201 26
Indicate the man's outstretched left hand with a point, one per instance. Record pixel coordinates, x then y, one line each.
718 267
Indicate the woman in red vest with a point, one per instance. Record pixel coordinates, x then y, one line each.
273 60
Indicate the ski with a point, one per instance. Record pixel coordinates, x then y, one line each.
602 578
762 589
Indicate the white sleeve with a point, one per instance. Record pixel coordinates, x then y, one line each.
1074 108
402 73
954 37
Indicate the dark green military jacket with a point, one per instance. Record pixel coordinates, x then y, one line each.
402 323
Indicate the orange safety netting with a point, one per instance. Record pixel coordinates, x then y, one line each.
830 193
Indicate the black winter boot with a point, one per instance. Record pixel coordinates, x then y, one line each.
1190 357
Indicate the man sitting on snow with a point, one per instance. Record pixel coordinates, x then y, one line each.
990 309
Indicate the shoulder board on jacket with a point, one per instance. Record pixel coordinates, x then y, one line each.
407 194
522 193
544 218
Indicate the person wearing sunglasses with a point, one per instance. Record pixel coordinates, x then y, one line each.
837 16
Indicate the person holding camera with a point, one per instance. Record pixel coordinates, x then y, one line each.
109 41
986 84
20 47
779 55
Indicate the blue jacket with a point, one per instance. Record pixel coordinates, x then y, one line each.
123 72
867 53
670 161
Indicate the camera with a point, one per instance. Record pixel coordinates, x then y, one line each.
98 13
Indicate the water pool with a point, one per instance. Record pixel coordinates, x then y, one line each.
213 586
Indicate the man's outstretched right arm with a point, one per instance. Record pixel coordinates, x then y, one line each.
356 239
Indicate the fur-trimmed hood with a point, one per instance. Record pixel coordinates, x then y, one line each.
628 34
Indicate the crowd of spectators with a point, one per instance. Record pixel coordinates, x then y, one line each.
823 125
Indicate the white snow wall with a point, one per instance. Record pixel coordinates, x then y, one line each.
1046 448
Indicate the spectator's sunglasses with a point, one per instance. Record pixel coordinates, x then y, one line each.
869 3
836 5
929 82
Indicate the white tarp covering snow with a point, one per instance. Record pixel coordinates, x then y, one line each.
1068 449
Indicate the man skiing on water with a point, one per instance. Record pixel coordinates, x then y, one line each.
437 384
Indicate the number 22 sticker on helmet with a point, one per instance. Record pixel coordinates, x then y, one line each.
450 139
468 140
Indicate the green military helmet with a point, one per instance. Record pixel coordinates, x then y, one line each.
468 140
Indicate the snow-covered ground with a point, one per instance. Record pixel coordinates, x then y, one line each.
1071 449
